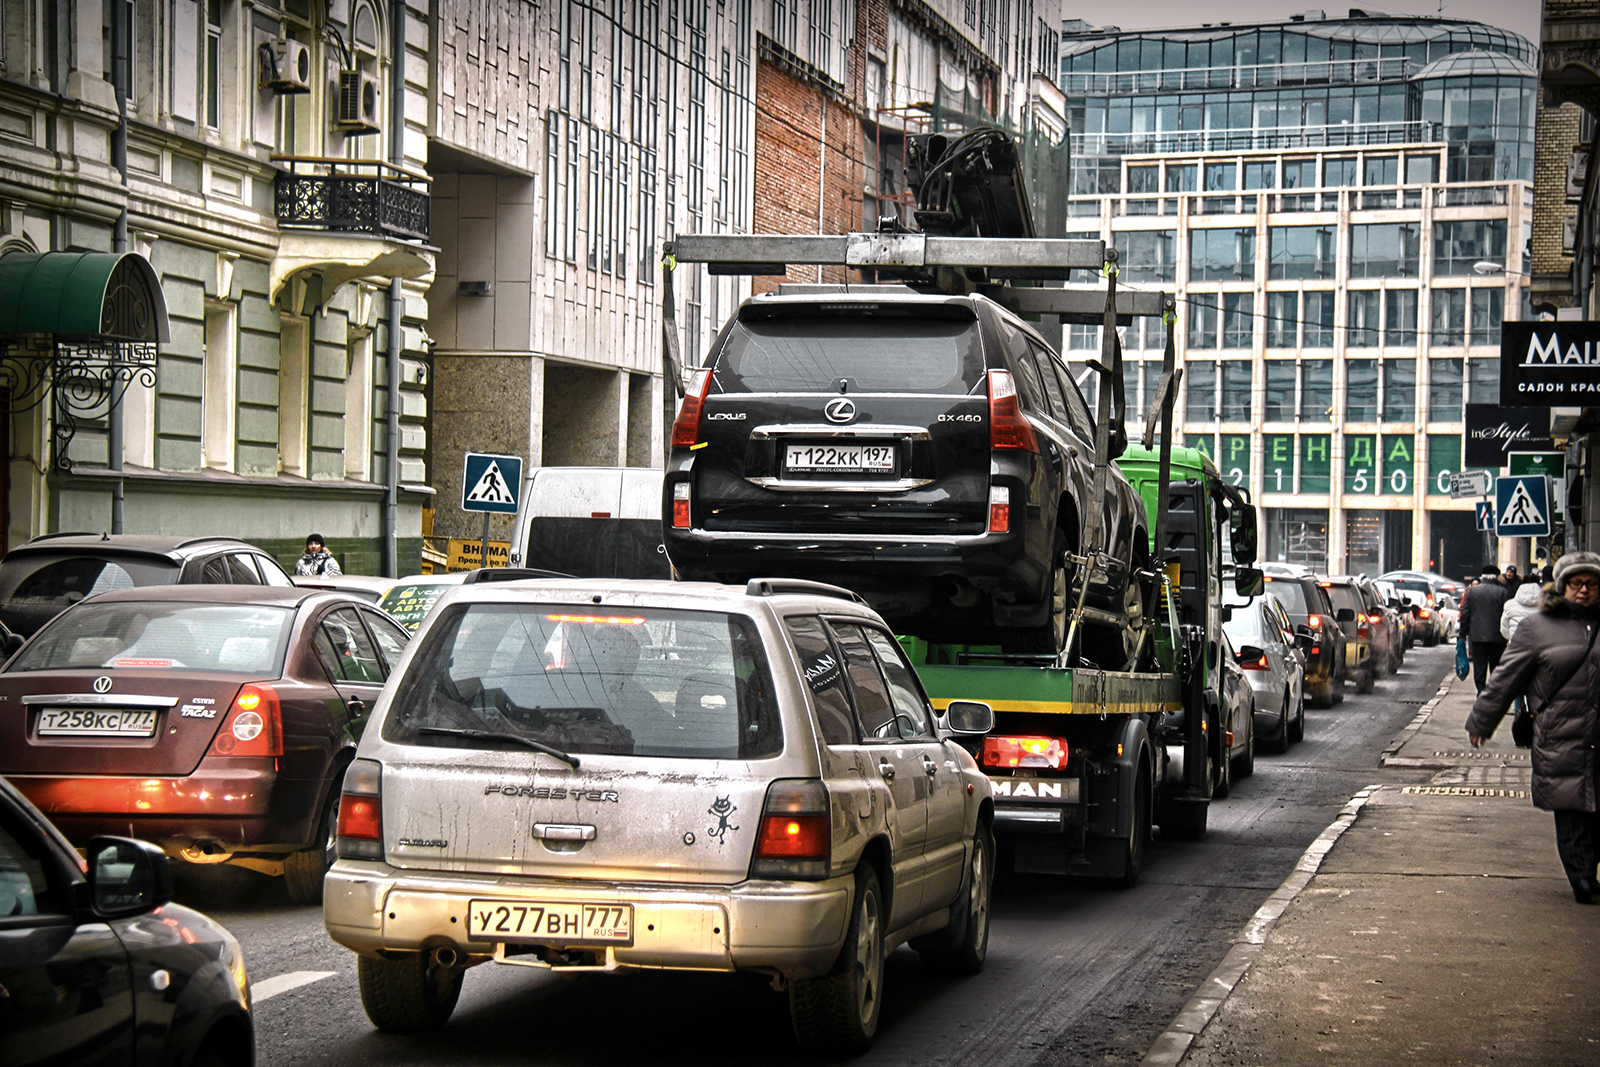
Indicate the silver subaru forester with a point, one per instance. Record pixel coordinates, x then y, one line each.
594 775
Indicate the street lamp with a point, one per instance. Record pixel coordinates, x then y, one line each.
1484 266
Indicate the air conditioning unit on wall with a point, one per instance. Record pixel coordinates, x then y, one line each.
358 102
285 66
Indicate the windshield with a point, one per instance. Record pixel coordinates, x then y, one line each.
227 638
1290 593
650 682
1243 629
925 352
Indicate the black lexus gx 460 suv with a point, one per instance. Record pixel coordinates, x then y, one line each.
930 452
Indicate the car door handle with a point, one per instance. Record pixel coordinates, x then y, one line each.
931 767
886 769
356 706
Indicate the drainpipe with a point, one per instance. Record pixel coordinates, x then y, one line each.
397 156
119 240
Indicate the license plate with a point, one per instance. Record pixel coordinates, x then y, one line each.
96 722
550 922
855 457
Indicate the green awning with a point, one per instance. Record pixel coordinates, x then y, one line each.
105 295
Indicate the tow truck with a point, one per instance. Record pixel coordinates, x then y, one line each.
1083 760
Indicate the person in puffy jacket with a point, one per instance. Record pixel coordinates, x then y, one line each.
1556 645
1519 607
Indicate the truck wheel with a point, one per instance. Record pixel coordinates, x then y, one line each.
1133 865
403 994
839 1012
303 871
964 944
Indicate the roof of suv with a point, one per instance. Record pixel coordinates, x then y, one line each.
601 591
174 548
263 595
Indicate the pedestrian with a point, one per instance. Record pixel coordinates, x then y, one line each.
1510 579
1524 602
318 562
1480 623
1554 662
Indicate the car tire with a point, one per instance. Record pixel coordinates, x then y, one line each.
1366 678
1337 685
1321 693
1279 742
1223 768
962 946
304 871
1244 764
1297 732
403 994
839 1012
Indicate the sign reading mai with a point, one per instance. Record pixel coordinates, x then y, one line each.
1550 364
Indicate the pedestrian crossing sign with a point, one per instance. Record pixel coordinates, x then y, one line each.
491 482
1522 506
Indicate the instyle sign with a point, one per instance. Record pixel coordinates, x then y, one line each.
1550 364
1493 432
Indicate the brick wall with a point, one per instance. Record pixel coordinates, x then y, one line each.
1557 132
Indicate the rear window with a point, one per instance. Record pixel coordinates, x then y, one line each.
1290 593
35 587
890 352
1346 596
410 604
645 682
228 638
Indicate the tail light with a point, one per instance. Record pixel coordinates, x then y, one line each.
253 726
999 509
1425 614
1008 428
1362 630
680 505
1315 622
360 833
1043 753
1256 664
1374 618
796 835
686 430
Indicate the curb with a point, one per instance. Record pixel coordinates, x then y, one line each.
1388 759
1171 1047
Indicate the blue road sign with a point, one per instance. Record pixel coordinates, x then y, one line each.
1485 513
491 482
1522 506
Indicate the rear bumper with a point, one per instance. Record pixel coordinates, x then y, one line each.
796 928
976 556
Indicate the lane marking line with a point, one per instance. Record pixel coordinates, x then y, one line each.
268 988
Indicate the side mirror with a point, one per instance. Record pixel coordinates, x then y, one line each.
1345 615
1304 630
1226 613
1249 652
969 718
11 643
1249 582
1242 533
1303 640
127 877
1416 611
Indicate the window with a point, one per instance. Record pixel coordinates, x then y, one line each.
1148 255
1318 320
213 62
1361 390
821 17
1488 314
1400 321
1399 390
819 662
875 715
1222 255
1299 174
347 651
1144 179
1449 317
1363 321
1444 390
1221 177
1300 252
390 639
1279 396
1382 170
1236 390
1238 320
1260 175
1458 245
1339 173
1203 320
1316 390
1200 381
1182 177
1422 170
911 709
1283 314
174 635
1483 380
1384 250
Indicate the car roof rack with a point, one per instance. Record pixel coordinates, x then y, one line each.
800 587
510 574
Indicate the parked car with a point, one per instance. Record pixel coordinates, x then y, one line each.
409 600
1404 616
99 966
596 775
1269 651
1388 644
368 588
1238 714
931 452
214 720
49 574
1424 609
1436 583
1449 614
593 522
1305 600
1350 609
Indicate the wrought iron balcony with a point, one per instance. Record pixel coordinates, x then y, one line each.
352 196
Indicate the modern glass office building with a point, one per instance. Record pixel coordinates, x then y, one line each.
1341 207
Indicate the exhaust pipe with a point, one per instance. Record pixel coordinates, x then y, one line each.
448 957
206 850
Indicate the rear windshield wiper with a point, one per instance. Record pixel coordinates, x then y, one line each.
490 735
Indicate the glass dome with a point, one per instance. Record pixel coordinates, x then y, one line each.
1475 62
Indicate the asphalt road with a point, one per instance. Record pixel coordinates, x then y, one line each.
1076 974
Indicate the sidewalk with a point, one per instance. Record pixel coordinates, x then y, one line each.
1428 925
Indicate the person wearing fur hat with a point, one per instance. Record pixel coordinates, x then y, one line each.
318 562
1554 662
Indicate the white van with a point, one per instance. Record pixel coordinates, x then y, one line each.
591 522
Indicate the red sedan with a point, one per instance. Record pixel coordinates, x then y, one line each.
217 720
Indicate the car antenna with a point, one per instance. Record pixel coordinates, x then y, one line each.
105 537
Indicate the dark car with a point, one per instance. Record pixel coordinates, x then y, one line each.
1311 612
929 452
51 573
1363 636
1388 635
1238 709
99 967
214 720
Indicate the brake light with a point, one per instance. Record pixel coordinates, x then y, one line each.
1425 614
795 839
686 430
1315 621
999 509
1045 753
1008 428
680 505
253 726
360 832
1362 630
1256 664
1374 618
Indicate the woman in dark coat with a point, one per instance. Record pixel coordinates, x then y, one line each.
1547 647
